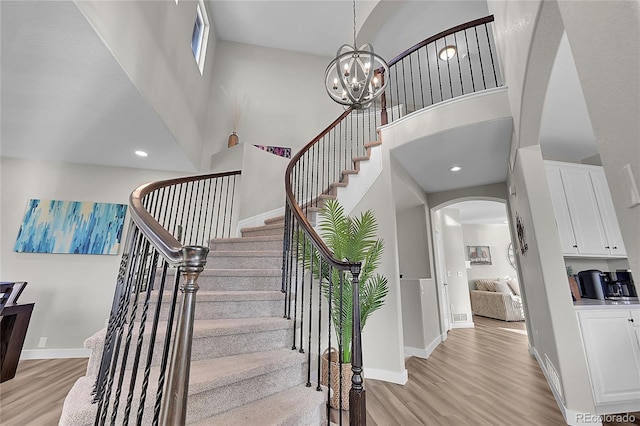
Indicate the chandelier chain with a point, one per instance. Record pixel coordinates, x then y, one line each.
355 46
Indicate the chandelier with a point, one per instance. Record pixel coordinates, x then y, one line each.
356 77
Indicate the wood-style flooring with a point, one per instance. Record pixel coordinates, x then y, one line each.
480 376
34 397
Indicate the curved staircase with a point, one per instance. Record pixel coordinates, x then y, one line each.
243 370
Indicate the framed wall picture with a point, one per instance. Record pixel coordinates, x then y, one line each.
76 227
479 255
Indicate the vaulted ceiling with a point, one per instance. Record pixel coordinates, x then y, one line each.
66 98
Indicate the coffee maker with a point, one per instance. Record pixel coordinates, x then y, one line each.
621 285
595 284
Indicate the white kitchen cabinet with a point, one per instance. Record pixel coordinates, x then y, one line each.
607 212
612 347
584 211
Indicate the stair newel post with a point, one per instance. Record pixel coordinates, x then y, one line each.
174 408
357 399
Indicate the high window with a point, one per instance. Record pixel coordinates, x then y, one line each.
200 35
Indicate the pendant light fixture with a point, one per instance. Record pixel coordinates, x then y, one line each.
356 77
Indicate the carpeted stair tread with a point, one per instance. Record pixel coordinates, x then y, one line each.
246 253
262 227
212 373
207 328
206 376
275 220
259 330
276 410
215 296
247 239
265 242
242 272
230 326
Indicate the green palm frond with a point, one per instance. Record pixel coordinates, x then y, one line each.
372 295
352 239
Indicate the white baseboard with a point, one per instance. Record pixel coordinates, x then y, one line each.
571 417
423 352
399 378
55 353
417 352
258 220
465 324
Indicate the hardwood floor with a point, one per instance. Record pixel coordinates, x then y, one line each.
35 396
481 376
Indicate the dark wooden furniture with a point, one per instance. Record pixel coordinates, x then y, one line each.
13 330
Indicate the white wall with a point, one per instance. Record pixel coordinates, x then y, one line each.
413 243
553 327
412 329
498 238
418 20
382 340
420 317
262 179
285 100
456 272
72 293
612 96
159 61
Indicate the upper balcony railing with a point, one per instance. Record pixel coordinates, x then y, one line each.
418 78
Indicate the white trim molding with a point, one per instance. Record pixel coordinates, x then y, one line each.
399 378
572 417
423 352
463 324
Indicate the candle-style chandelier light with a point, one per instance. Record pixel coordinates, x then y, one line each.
356 77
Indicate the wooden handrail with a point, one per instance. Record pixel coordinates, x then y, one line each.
440 35
357 405
166 243
297 210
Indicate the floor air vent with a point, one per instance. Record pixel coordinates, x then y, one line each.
553 376
459 317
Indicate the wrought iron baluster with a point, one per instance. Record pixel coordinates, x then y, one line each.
484 84
466 40
493 65
310 338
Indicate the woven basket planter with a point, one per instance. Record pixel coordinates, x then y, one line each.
330 361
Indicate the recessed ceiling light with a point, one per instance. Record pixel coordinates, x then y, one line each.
447 52
455 169
141 154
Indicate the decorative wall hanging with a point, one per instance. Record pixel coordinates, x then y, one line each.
521 237
53 226
479 255
511 256
277 150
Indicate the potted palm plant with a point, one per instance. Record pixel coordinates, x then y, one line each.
353 240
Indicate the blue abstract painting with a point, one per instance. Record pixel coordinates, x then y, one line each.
53 226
